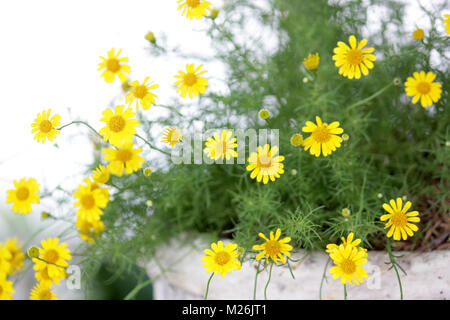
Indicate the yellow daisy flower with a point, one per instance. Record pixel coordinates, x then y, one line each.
400 219
353 60
89 230
221 259
418 34
6 288
43 277
45 126
331 247
5 260
348 260
120 127
447 23
90 200
194 8
172 136
17 256
113 66
265 164
141 93
124 158
221 146
296 140
190 81
273 248
312 62
42 292
53 256
26 193
324 137
101 175
422 87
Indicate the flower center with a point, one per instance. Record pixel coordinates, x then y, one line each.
224 147
113 65
45 295
140 92
423 87
355 57
124 155
348 266
273 247
44 274
22 193
222 258
88 201
190 79
193 3
321 134
45 126
117 123
51 256
264 161
399 219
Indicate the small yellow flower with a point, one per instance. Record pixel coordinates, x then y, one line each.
191 81
53 256
150 36
331 247
447 23
418 34
296 140
89 230
5 260
274 248
265 164
120 127
422 87
221 146
399 219
124 158
147 172
45 126
353 60
312 62
26 193
17 256
91 201
42 292
264 114
214 13
101 175
324 137
113 66
142 94
6 288
194 8
172 136
348 260
43 277
221 259
345 212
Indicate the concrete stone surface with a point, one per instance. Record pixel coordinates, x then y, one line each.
178 274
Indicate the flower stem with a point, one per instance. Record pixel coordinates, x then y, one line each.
394 265
256 280
376 94
80 122
345 292
207 286
152 146
268 281
323 277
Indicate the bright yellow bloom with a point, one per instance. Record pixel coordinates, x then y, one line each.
172 136
91 201
324 137
422 87
265 164
331 247
89 230
312 62
6 288
113 66
190 81
26 193
296 140
447 23
120 127
101 175
221 146
221 259
124 158
348 260
17 256
43 277
353 60
45 126
264 114
42 292
5 260
400 219
141 93
274 248
418 34
53 256
194 8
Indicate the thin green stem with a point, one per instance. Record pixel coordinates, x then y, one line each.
152 146
80 122
256 280
268 281
207 286
376 94
394 265
345 292
323 277
136 290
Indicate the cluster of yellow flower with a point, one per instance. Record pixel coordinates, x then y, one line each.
11 262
